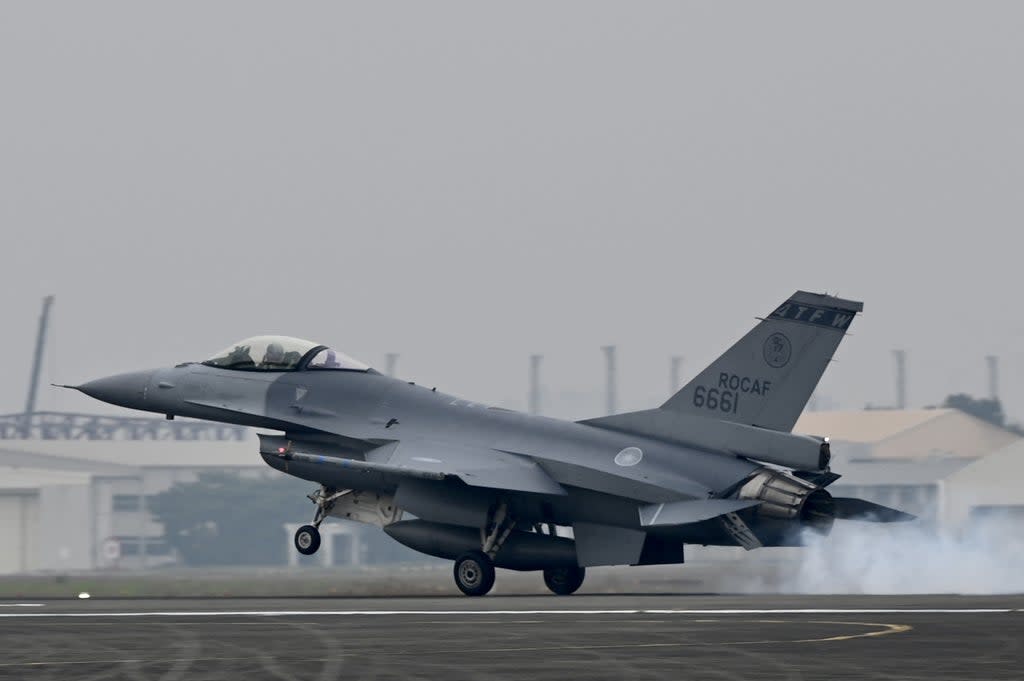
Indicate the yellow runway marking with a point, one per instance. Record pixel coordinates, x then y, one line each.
888 629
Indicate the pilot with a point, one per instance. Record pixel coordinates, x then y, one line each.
239 357
273 357
331 361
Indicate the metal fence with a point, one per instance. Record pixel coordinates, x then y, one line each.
51 425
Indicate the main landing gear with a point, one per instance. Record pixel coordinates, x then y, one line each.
474 573
474 570
563 581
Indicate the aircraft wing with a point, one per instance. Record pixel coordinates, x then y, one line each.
476 466
425 459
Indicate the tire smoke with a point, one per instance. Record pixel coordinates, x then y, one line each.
907 558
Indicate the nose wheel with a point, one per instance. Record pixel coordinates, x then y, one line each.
474 573
307 537
307 540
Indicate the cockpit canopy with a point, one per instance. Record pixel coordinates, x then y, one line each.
282 353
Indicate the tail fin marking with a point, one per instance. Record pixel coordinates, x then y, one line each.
768 376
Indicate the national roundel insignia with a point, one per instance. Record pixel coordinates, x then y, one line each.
777 350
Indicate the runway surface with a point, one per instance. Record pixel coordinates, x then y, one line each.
636 637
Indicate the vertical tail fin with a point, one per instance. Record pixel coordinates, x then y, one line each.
766 378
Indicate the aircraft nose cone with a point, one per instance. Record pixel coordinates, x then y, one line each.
124 390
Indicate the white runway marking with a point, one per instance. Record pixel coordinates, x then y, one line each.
378 613
21 605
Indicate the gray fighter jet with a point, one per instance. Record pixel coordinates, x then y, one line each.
488 487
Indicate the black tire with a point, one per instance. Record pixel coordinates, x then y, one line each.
564 580
307 540
474 573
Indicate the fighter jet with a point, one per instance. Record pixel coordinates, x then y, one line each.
717 464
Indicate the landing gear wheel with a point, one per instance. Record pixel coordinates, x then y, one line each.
307 540
564 580
474 573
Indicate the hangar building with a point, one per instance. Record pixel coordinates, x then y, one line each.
81 504
903 458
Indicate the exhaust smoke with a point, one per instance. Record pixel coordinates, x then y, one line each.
909 558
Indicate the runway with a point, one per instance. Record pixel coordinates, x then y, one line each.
650 636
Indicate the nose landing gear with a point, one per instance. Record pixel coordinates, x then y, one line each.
307 540
307 537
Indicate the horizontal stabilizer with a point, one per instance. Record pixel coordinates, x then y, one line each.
848 508
686 512
819 478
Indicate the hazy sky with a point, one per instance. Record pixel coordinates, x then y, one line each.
469 183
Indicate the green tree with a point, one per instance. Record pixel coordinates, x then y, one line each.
990 410
225 519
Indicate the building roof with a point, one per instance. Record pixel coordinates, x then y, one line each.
918 434
868 426
990 483
903 473
17 478
1004 467
12 457
134 453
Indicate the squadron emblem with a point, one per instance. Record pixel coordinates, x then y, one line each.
777 350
